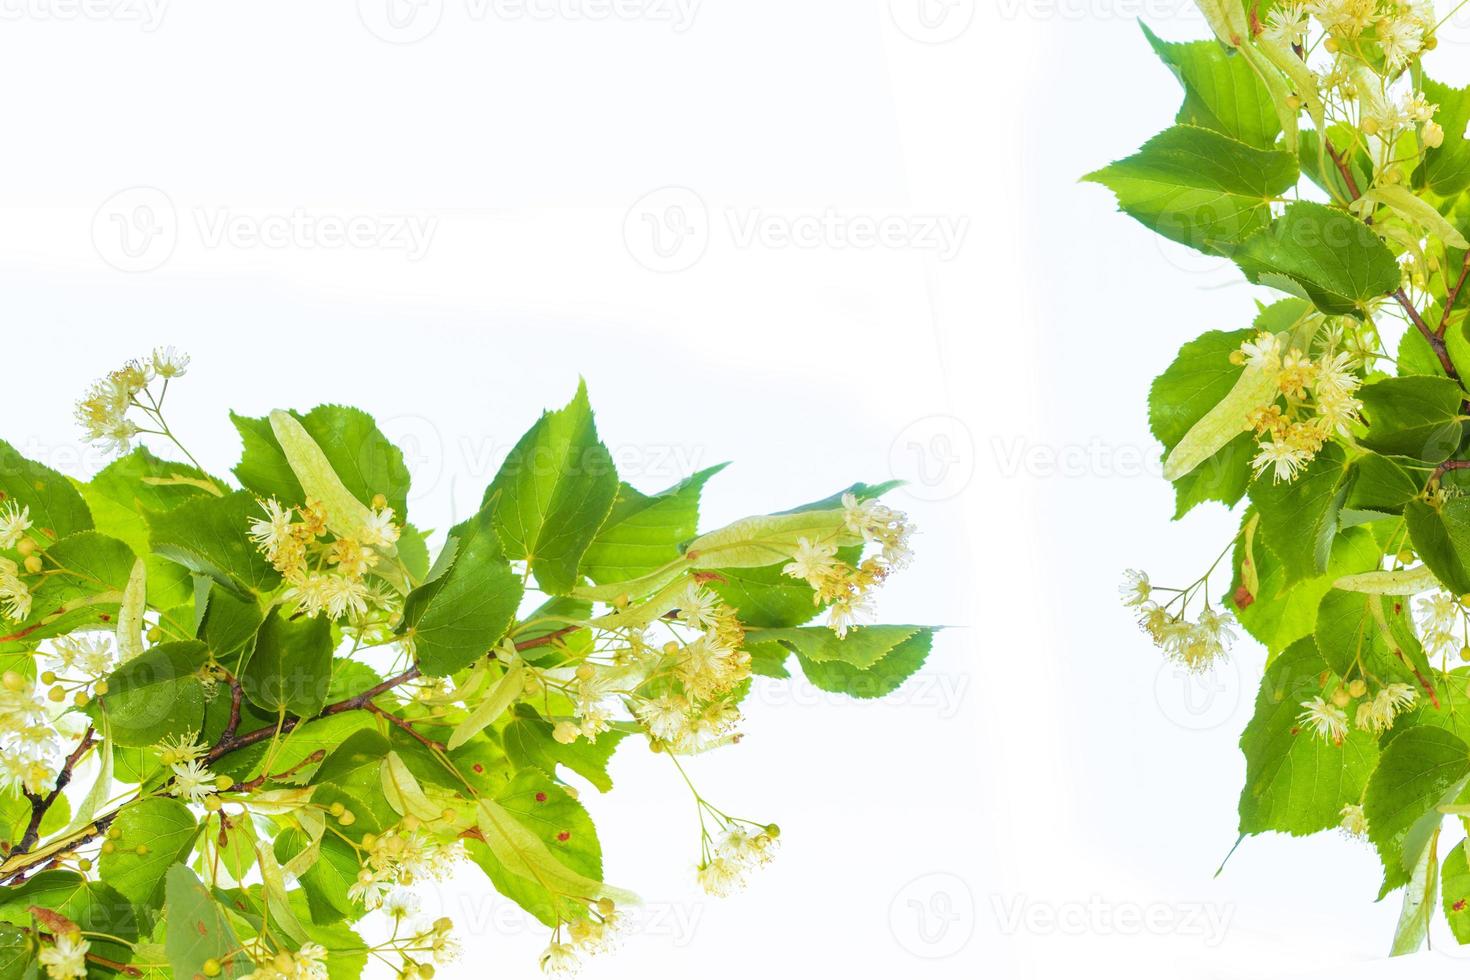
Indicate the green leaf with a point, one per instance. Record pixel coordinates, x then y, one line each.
328 877
290 668
360 456
528 742
156 696
876 681
1322 254
1200 377
350 775
458 615
322 735
56 508
537 836
555 489
346 515
235 842
765 596
229 626
644 533
91 590
1440 533
1299 518
1351 634
1418 768
495 703
1200 188
1455 879
198 929
1295 782
129 489
164 829
1277 614
1221 91
93 905
1423 886
17 955
1417 417
861 648
1380 484
209 536
1447 167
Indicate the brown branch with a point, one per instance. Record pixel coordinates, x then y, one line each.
1435 340
236 695
355 703
98 828
224 748
1345 170
390 717
40 803
1445 467
1454 295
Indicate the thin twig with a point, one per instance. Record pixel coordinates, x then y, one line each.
40 804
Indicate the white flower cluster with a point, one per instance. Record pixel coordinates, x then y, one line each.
192 779
849 588
103 411
65 957
307 963
1328 717
1320 396
597 932
398 857
1198 645
326 573
30 747
738 852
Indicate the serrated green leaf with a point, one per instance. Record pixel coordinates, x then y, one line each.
209 536
56 508
554 491
1200 188
151 835
1418 768
155 696
1299 518
1322 254
1447 167
199 929
876 681
643 533
1416 417
458 616
1295 782
290 667
1221 91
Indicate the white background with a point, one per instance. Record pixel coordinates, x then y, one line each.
829 240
